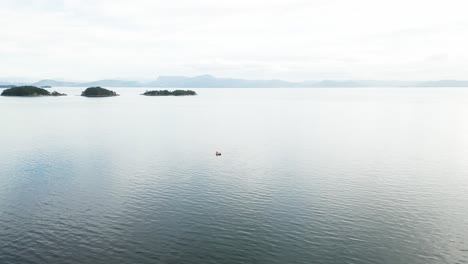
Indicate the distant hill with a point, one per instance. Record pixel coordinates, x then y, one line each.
53 83
6 85
209 81
112 83
109 83
445 83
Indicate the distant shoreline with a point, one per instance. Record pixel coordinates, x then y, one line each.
208 81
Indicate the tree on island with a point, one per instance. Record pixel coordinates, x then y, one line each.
55 93
98 92
28 91
169 93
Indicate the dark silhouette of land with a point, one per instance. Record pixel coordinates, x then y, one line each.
98 92
169 93
29 91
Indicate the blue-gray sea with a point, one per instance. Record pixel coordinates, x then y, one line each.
360 175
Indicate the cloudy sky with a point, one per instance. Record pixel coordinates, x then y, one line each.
256 39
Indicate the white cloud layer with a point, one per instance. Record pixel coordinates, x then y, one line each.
284 39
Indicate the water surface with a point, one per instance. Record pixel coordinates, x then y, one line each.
307 176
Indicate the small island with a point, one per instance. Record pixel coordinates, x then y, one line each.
169 93
98 92
55 93
31 91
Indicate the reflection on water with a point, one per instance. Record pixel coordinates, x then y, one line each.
307 175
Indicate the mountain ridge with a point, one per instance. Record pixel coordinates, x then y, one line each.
209 81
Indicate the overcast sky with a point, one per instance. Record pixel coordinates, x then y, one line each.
255 39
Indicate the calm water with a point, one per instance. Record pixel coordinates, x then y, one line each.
306 176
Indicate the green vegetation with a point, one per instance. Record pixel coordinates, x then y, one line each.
98 92
168 93
89 92
25 91
55 93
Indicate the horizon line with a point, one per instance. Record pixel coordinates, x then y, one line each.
27 80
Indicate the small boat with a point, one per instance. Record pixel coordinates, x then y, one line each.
218 153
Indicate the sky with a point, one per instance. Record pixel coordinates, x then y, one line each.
292 40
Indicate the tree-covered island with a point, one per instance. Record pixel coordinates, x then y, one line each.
55 93
98 92
169 93
29 91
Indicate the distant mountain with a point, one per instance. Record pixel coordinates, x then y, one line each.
112 83
6 85
445 83
361 83
109 83
209 81
54 83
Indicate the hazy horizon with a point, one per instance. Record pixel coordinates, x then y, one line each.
288 40
210 81
156 77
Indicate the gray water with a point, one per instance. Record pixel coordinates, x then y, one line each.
306 176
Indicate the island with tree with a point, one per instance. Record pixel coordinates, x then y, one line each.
98 92
55 93
31 91
169 93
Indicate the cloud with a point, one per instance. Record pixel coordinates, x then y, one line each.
290 39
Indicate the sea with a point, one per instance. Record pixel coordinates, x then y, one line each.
309 175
